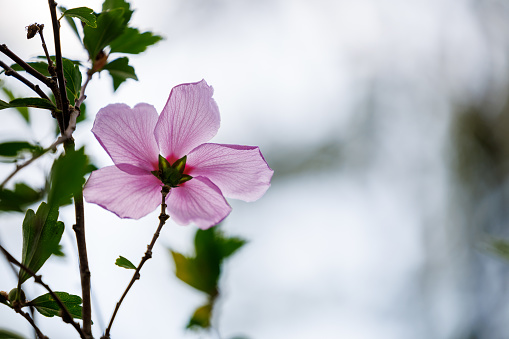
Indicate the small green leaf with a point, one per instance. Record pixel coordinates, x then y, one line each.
110 25
119 4
48 307
15 148
120 71
19 198
125 263
72 76
188 270
85 14
5 334
40 66
22 110
4 105
41 236
201 317
71 22
133 42
33 102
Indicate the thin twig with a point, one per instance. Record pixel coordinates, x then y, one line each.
59 64
51 68
52 147
66 316
30 70
27 316
10 72
148 254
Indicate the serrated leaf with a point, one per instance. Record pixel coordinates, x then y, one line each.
110 25
23 111
33 102
41 236
14 148
18 199
48 307
71 22
85 14
119 4
67 176
5 334
133 42
201 317
120 71
125 263
72 76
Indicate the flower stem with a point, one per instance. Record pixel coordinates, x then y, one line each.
148 254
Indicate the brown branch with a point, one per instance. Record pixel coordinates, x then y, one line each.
27 316
66 316
30 70
52 147
10 72
148 254
59 64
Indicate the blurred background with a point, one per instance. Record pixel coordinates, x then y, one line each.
387 126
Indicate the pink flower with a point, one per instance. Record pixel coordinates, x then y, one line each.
135 137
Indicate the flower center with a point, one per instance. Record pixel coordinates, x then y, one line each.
172 174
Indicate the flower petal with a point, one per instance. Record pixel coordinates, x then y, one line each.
127 134
190 118
199 201
126 195
240 172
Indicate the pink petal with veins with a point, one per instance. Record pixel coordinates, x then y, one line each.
198 201
126 195
240 172
190 118
127 134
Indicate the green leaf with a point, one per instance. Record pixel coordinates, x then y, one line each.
120 71
189 271
71 22
201 317
14 148
33 102
67 176
119 4
5 334
22 110
4 105
19 198
133 42
41 236
110 25
72 76
85 14
125 263
48 307
40 66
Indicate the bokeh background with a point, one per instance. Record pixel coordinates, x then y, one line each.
386 123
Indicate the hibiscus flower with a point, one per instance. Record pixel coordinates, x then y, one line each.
150 150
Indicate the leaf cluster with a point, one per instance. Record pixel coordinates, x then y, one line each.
203 270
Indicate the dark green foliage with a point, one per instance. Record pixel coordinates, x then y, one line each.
48 307
125 263
41 236
85 14
68 176
18 199
71 22
5 334
114 4
40 66
15 148
133 42
30 102
202 271
4 105
110 25
72 79
120 71
22 110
